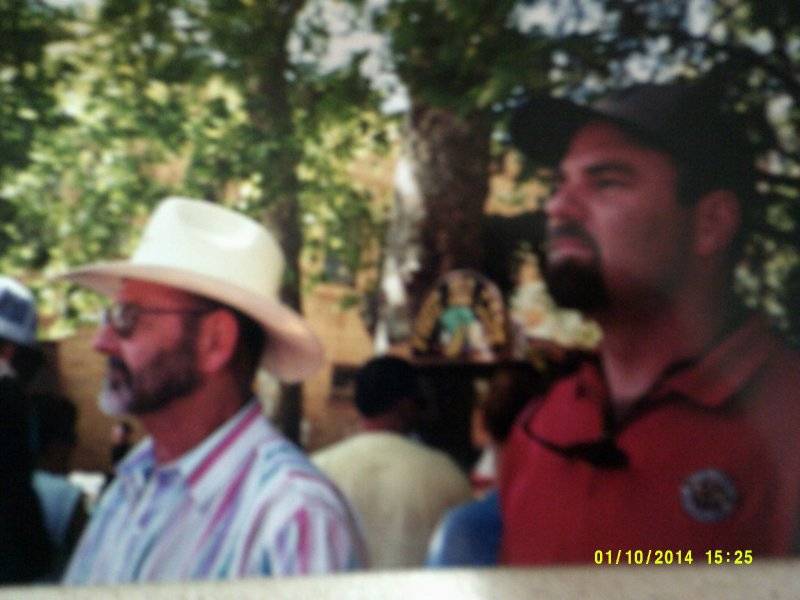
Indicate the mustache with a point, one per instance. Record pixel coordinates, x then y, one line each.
571 230
118 372
117 364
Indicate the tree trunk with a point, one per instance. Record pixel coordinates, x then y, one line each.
270 111
435 226
450 157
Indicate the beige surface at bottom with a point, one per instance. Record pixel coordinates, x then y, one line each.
766 579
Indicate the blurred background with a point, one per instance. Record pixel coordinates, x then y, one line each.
370 135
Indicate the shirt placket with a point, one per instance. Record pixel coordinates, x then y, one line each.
149 519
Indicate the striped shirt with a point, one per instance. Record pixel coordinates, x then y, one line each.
245 502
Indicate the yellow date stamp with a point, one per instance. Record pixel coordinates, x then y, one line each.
642 557
729 557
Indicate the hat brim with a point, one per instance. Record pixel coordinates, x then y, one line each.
293 351
543 126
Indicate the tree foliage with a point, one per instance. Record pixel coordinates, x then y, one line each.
186 98
479 59
756 45
113 105
25 81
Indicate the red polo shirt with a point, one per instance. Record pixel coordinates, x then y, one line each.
711 461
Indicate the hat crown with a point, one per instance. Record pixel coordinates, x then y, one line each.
687 119
17 313
217 253
207 239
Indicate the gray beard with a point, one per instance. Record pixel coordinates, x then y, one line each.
169 375
114 399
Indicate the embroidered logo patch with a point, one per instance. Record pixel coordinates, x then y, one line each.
709 496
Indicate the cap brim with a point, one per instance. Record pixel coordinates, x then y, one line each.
293 351
542 127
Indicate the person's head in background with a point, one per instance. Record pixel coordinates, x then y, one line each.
508 391
20 355
387 395
54 431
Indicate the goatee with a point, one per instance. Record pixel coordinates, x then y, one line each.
576 285
171 373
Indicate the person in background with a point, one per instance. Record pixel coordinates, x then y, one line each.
469 534
24 547
63 503
682 435
214 491
399 487
120 441
120 446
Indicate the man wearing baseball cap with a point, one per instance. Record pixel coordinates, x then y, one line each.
214 491
24 549
680 440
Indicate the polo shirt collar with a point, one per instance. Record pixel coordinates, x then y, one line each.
577 409
727 368
710 380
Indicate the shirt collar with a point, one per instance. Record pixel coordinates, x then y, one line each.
135 469
708 381
221 455
203 467
577 408
727 368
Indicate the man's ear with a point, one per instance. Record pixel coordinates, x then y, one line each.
717 218
216 339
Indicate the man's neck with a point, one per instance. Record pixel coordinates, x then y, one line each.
186 422
388 423
638 348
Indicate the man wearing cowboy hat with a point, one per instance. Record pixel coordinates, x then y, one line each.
679 443
24 549
214 491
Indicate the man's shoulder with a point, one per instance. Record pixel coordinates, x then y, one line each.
276 456
567 385
373 454
375 445
363 445
778 380
785 364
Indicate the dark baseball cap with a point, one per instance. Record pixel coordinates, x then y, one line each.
686 119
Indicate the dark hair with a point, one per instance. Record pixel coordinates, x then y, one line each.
26 361
55 417
251 342
697 175
510 389
382 382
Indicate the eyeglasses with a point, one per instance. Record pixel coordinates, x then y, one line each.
123 317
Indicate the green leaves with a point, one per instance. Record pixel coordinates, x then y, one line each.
108 108
134 101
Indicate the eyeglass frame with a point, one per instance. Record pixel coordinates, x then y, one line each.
111 315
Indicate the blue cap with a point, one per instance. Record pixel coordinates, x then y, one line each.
17 313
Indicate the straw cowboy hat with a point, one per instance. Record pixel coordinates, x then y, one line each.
212 251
